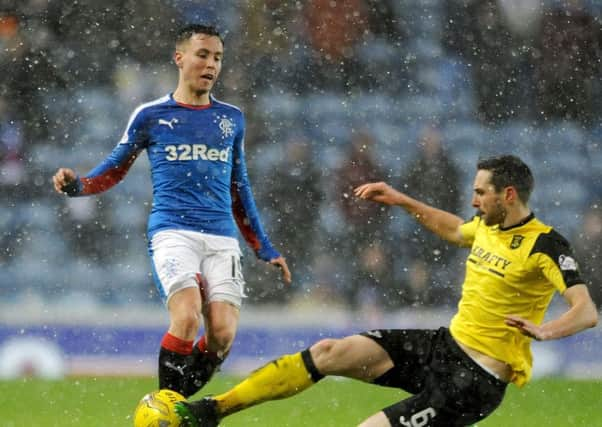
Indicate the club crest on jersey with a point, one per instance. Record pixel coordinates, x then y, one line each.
226 125
517 239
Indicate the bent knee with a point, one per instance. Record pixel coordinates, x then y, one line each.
187 320
186 317
324 347
185 311
354 356
220 339
328 355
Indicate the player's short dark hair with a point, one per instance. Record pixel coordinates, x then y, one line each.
509 171
188 31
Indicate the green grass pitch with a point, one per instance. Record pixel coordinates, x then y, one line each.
334 402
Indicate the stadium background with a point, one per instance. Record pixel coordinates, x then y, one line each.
335 93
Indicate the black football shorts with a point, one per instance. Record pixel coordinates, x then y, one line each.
448 387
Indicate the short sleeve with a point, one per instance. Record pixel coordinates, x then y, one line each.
469 229
556 260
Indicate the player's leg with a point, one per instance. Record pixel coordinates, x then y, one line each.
221 283
176 346
355 357
404 355
175 261
377 420
280 378
221 322
455 390
410 351
440 404
416 411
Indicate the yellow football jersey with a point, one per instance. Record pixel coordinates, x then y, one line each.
515 271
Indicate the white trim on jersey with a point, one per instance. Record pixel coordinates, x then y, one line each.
213 98
124 137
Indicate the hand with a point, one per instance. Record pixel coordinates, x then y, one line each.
280 262
526 327
378 192
62 178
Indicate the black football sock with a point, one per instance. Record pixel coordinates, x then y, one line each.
204 364
174 358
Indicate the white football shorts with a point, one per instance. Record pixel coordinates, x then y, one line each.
182 258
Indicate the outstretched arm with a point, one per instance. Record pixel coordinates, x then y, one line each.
582 314
107 174
113 169
446 225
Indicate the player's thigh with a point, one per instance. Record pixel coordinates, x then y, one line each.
354 356
435 406
376 420
175 260
410 351
417 411
221 320
454 394
186 302
222 277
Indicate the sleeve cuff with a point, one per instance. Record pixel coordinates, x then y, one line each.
267 253
74 188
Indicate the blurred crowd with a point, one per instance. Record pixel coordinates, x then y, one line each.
336 93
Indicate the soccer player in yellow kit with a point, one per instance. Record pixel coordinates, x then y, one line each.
457 375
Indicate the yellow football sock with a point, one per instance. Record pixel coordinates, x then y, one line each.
280 378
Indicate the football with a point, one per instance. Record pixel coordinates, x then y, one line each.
156 409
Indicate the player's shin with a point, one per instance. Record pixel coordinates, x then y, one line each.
174 357
203 365
281 378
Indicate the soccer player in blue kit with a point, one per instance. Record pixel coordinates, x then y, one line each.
195 145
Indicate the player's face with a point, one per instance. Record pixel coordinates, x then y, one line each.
200 62
486 200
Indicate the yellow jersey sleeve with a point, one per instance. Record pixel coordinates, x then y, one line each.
469 230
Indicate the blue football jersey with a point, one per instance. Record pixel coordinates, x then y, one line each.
198 170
